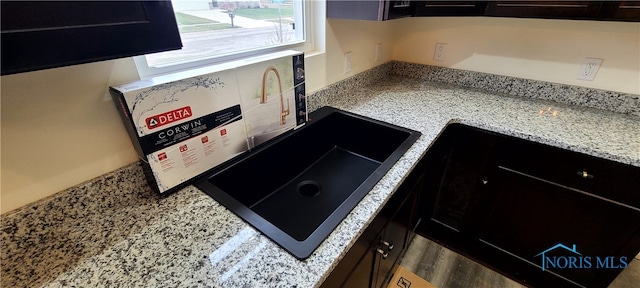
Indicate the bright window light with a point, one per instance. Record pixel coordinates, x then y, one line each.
215 31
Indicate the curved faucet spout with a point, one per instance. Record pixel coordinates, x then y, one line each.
263 97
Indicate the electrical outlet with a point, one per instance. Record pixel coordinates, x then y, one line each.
589 68
440 52
347 62
378 52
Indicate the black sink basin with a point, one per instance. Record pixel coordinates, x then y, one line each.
298 187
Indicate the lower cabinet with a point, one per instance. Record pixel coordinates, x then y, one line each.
543 216
371 260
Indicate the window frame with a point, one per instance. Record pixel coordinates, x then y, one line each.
307 45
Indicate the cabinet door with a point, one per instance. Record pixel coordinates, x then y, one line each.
394 241
46 34
395 9
454 183
355 268
529 215
377 10
356 10
363 265
450 8
620 10
545 9
360 277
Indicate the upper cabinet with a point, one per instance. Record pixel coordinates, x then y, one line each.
377 10
545 9
46 34
578 10
450 8
621 11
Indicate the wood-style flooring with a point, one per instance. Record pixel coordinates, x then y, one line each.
447 269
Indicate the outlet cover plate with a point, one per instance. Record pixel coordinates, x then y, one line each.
440 52
589 68
378 52
347 62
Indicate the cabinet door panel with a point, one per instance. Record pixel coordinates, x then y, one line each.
545 9
395 235
362 266
459 192
360 277
46 34
530 215
621 10
605 178
399 9
356 10
450 8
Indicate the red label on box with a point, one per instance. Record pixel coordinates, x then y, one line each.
168 117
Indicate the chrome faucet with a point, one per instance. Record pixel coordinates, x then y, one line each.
263 97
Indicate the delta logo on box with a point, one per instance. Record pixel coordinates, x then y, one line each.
168 117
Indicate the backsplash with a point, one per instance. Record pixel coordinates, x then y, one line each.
342 88
575 95
618 102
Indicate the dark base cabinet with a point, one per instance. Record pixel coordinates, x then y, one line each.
374 256
518 207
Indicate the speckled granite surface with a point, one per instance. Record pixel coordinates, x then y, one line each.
115 232
602 99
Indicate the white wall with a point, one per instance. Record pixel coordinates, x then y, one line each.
540 49
60 128
359 38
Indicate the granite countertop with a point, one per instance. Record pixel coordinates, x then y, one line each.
130 236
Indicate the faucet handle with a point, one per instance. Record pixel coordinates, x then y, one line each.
285 112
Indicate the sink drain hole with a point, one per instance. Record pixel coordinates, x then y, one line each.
309 188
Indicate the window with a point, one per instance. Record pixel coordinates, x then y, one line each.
215 31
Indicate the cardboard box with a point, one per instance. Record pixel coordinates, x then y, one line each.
403 278
185 124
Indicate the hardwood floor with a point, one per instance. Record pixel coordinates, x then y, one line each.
447 269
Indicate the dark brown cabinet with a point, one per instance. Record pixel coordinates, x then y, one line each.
374 256
577 10
46 34
450 8
394 240
545 9
505 201
377 10
620 11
